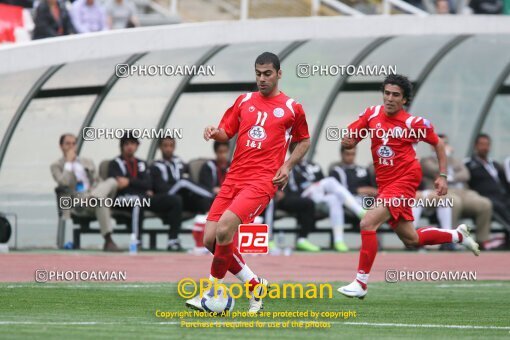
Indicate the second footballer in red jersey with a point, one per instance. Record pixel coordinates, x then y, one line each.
394 134
265 123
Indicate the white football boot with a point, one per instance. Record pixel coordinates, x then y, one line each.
353 289
256 304
467 240
195 303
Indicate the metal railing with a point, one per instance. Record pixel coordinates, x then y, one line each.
402 5
336 5
316 5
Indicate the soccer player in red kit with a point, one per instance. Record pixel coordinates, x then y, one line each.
265 122
398 174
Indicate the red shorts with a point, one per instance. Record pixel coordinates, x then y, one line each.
401 188
247 201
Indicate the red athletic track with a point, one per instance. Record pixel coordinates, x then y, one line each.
166 267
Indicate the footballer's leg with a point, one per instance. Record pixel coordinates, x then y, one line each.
431 235
225 253
238 266
407 234
249 203
369 224
224 229
224 249
209 243
210 235
256 284
220 204
240 269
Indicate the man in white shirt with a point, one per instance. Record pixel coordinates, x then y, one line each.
88 16
79 176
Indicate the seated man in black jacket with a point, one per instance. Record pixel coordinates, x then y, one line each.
170 176
170 179
488 178
312 184
354 177
213 172
211 176
290 201
134 182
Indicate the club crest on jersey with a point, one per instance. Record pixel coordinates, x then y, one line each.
257 132
278 112
385 151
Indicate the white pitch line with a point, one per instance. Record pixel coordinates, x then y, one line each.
83 323
91 286
406 325
470 285
373 324
55 323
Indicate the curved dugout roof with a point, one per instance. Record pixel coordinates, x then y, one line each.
459 66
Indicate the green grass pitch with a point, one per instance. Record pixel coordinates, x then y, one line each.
127 311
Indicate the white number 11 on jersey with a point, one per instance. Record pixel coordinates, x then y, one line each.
259 116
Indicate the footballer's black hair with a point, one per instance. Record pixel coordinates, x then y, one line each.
482 135
401 81
268 58
217 145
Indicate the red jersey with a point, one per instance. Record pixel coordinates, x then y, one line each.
265 127
394 140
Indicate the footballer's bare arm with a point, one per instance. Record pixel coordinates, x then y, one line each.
212 132
441 183
299 150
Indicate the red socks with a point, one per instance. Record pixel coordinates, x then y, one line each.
237 262
222 260
430 235
366 256
368 251
253 283
227 257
